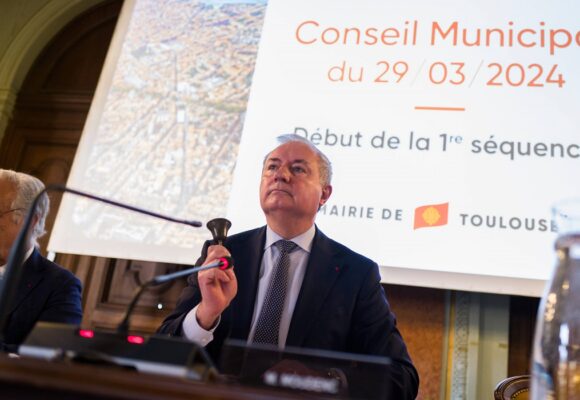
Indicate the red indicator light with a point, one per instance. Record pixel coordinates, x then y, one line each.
86 333
135 339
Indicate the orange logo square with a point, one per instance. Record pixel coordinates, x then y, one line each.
431 215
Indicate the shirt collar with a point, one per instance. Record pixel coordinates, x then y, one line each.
304 240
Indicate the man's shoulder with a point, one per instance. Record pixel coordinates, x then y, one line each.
341 250
252 234
51 269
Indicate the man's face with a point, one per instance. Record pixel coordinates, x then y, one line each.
291 182
9 228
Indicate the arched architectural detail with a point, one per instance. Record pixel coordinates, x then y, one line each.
26 46
7 101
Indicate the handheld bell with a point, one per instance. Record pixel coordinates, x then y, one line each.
219 229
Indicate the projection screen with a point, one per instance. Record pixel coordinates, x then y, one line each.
452 127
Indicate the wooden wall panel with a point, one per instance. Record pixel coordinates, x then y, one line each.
420 316
523 314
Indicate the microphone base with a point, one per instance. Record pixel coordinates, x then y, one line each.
160 355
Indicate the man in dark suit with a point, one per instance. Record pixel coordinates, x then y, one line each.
331 296
47 292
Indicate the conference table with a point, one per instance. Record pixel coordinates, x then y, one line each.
31 378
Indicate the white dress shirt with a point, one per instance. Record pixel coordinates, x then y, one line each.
298 262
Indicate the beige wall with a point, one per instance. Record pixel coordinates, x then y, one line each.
15 15
26 26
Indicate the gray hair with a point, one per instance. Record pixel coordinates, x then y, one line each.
27 187
324 165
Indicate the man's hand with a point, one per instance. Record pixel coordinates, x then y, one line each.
218 288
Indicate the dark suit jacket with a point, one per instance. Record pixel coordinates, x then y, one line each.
341 306
47 292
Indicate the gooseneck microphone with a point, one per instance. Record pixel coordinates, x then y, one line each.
223 263
13 272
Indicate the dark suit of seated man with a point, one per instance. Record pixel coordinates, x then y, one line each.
47 292
333 298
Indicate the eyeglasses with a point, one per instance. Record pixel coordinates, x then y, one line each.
9 211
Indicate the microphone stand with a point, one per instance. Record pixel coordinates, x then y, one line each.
13 272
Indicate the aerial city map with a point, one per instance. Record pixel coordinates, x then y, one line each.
178 97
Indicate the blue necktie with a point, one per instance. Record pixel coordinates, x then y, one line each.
268 325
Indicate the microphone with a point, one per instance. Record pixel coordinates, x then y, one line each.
13 272
223 263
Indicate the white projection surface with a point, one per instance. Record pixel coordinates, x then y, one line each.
452 126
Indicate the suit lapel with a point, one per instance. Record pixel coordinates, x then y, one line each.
322 270
31 276
248 260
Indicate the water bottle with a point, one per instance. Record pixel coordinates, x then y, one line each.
556 351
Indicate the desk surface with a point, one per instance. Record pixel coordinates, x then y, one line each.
25 378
